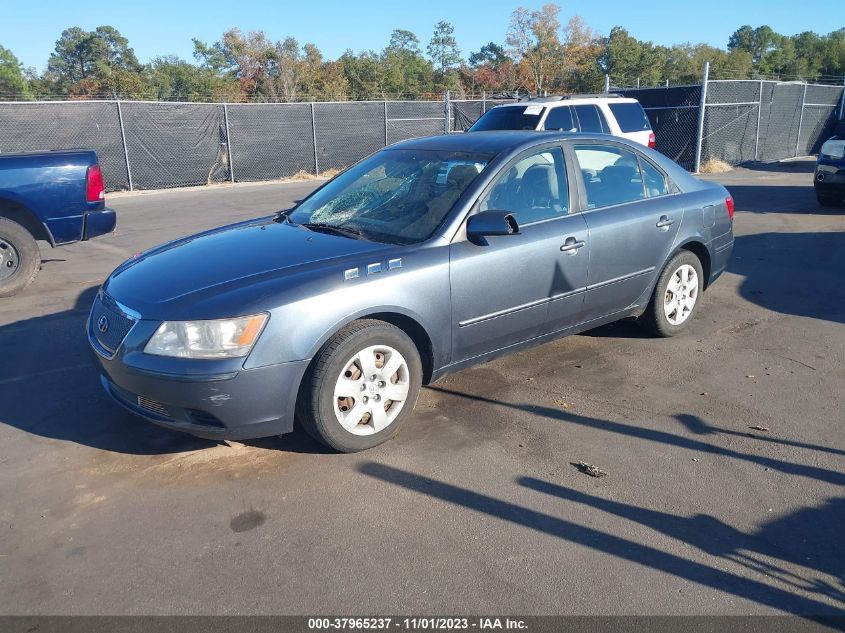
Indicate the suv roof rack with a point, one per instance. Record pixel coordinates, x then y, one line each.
597 95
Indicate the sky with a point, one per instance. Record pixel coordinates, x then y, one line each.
158 27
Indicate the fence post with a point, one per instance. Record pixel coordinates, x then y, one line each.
606 83
314 138
801 120
759 112
228 143
483 101
447 128
700 138
842 101
385 122
125 149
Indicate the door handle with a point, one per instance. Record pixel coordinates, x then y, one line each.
571 246
664 222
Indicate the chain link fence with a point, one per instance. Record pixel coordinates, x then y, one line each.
155 145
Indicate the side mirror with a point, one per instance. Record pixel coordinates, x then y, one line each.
488 223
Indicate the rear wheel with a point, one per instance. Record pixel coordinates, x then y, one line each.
676 295
361 387
827 199
20 258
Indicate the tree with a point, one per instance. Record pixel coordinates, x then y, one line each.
171 78
443 48
95 62
13 84
406 71
628 60
491 53
533 39
579 69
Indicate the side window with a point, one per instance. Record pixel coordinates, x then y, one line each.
533 189
611 175
560 118
655 181
588 117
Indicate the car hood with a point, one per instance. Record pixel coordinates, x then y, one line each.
164 281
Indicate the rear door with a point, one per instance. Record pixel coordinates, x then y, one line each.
502 288
633 219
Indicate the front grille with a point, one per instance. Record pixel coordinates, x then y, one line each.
153 407
115 323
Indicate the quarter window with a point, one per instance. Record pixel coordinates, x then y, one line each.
532 189
611 175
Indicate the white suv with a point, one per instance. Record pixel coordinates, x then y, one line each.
606 113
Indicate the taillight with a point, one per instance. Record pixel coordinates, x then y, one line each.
652 140
94 189
729 203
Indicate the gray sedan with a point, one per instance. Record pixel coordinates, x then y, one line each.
427 257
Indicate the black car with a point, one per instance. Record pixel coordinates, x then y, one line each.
829 179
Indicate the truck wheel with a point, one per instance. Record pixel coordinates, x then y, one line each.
676 296
20 258
362 385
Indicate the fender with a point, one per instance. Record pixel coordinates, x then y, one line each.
14 207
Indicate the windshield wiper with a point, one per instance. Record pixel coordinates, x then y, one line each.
345 231
284 216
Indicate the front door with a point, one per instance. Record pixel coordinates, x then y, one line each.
503 289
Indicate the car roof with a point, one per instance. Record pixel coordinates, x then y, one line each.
557 102
492 142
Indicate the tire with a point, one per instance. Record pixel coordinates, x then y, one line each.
676 288
828 200
20 258
329 407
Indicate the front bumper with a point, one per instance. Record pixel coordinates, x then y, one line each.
225 403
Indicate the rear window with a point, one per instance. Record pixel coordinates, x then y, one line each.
509 118
630 116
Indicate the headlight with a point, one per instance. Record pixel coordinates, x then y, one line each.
223 338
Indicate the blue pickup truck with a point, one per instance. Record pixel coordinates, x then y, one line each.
56 197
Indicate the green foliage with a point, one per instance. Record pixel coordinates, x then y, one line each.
539 54
443 48
13 84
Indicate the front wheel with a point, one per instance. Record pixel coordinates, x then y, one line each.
20 259
676 295
361 386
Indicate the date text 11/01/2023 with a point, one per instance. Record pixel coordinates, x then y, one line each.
418 624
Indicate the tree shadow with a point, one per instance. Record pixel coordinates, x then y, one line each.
805 538
623 548
663 437
696 425
52 390
793 273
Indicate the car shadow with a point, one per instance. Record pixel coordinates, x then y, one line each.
52 390
793 273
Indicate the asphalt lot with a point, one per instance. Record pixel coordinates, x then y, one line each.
475 508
